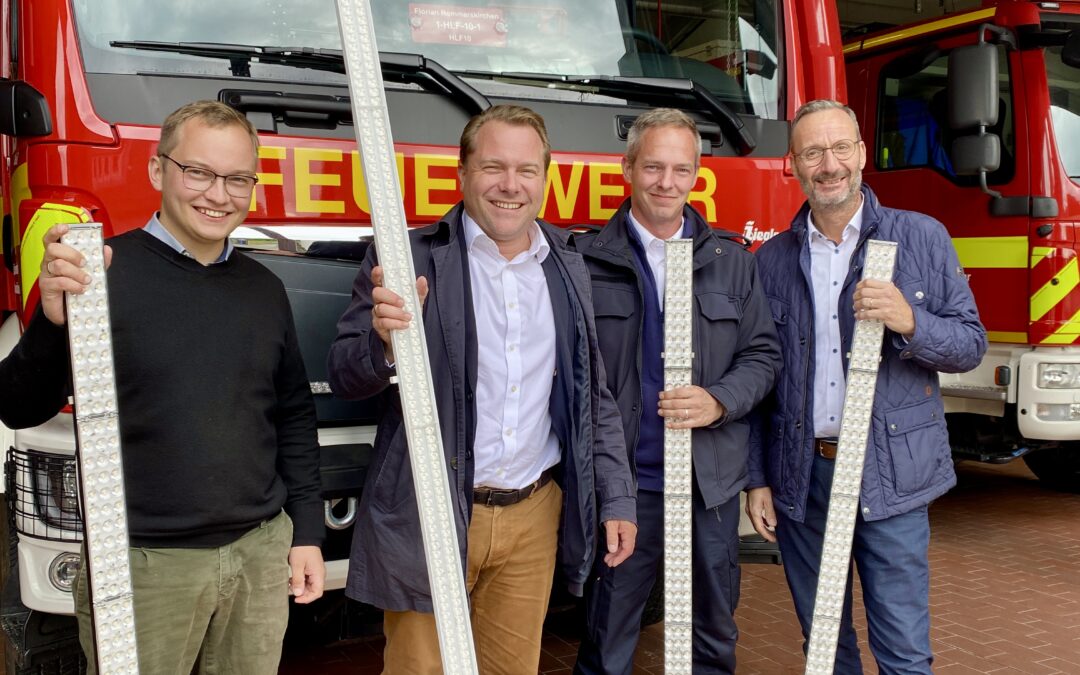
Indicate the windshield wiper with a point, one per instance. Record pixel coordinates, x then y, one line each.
241 56
397 67
648 88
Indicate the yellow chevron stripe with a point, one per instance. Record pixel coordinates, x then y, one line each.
32 250
1038 253
1051 294
992 252
1067 334
1006 336
914 31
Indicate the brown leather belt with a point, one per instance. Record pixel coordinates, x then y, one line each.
826 447
500 497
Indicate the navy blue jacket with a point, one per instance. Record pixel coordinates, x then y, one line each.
387 566
736 354
908 462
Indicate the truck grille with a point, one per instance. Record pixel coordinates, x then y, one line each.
43 494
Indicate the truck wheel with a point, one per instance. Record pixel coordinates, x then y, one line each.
1058 468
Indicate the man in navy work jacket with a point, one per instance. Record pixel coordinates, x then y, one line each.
811 275
533 440
736 358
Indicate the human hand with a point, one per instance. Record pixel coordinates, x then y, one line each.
883 301
61 271
759 506
308 573
621 535
388 309
689 407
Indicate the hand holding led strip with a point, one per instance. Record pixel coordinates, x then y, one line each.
678 508
426 455
847 477
101 470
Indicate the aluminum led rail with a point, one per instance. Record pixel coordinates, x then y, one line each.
101 471
678 505
847 477
426 455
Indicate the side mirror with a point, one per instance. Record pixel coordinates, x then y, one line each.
976 154
23 110
973 87
1070 53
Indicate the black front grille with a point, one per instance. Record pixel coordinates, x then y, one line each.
44 495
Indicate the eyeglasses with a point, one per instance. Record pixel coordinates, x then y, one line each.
841 150
200 179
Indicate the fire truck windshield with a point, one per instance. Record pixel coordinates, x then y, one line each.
729 48
1063 82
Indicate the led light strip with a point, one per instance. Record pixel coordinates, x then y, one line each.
101 470
847 477
426 455
678 506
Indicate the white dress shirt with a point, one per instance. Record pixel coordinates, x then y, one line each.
515 331
829 266
656 253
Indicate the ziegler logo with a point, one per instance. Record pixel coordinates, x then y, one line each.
753 234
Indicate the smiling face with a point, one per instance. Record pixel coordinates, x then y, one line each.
202 220
502 183
833 185
661 176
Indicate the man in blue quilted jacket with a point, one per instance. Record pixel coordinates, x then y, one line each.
810 274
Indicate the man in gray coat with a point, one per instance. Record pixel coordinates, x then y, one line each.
533 440
735 362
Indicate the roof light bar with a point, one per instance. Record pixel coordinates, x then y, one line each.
862 374
678 505
441 549
101 470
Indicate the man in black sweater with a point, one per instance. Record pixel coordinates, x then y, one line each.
216 416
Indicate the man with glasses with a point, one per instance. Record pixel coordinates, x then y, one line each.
216 416
811 276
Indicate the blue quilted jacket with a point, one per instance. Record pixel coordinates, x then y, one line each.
908 461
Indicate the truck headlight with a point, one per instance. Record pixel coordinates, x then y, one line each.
63 570
1059 376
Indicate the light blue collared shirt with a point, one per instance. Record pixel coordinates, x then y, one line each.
829 265
158 231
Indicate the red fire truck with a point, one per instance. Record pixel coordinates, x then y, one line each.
87 82
974 118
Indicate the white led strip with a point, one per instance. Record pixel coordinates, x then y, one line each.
101 471
847 477
426 455
678 506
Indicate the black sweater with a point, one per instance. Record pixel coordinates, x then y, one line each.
216 416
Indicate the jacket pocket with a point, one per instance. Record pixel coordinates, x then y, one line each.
916 435
718 307
612 301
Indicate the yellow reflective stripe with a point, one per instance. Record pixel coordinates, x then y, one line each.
1006 336
992 252
1068 332
923 29
1038 253
1051 294
32 250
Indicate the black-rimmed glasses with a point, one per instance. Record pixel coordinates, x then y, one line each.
199 179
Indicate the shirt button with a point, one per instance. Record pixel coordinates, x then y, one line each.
509 432
832 418
513 389
834 350
512 305
832 384
512 348
834 316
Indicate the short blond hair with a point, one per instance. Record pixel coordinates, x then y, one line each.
213 114
515 115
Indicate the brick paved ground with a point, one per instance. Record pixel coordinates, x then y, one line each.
1005 556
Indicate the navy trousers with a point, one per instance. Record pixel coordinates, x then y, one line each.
891 556
615 597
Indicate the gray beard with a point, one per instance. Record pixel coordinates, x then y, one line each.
838 203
